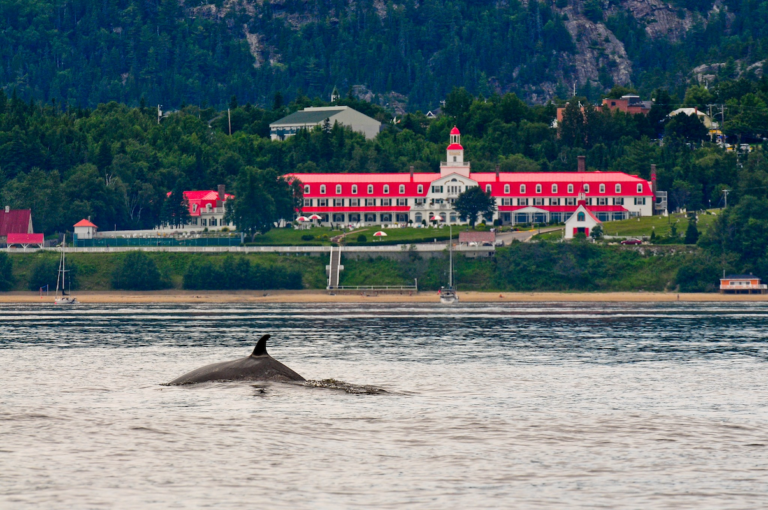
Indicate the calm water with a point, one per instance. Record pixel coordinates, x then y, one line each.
525 406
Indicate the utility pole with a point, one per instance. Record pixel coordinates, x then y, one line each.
725 192
229 120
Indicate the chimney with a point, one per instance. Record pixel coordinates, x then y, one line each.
582 163
7 209
411 173
222 196
653 179
497 173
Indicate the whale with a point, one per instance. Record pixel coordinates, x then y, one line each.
259 366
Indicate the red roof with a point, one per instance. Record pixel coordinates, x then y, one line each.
455 131
85 223
477 237
455 147
15 221
26 238
563 208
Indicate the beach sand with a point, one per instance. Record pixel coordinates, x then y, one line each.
322 296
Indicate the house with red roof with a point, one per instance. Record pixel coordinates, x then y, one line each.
207 208
15 221
582 221
521 197
84 229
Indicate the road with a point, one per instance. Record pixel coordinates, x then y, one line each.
523 236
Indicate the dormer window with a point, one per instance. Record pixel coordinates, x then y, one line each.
506 189
370 189
402 189
554 188
306 189
194 207
207 207
522 189
338 189
586 188
602 188
354 189
618 188
570 188
322 189
386 189
420 189
538 188
639 188
488 188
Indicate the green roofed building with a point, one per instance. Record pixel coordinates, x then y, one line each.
316 116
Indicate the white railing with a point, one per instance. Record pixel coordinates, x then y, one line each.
749 286
412 288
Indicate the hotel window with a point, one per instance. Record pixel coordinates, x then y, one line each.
618 201
338 189
194 207
338 202
437 189
538 188
322 189
639 188
570 188
307 202
522 188
506 189
586 188
639 200
386 202
507 201
402 201
554 188
402 189
522 201
419 201
570 201
306 189
370 189
602 201
386 189
538 201
370 202
487 188
354 189
554 201
602 188
618 188
322 202
589 201
420 189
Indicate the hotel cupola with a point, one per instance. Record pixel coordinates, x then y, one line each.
454 162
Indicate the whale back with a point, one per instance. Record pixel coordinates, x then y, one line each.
259 366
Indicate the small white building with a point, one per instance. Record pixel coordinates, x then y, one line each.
582 221
308 118
84 229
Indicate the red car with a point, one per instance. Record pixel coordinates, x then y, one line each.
631 241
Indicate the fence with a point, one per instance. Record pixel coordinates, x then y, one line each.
119 242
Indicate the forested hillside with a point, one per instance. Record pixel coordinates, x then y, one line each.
406 54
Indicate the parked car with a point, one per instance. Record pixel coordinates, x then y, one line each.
487 243
499 243
632 241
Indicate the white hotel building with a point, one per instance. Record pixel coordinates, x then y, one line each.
523 197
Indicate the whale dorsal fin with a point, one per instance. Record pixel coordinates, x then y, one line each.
261 347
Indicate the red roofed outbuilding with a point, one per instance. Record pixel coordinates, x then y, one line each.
15 221
84 229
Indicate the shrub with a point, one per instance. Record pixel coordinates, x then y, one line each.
361 238
138 271
239 274
45 273
307 237
481 227
6 272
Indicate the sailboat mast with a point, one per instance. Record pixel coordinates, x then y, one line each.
61 268
450 255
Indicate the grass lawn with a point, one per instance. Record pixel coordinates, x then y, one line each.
643 226
406 235
291 237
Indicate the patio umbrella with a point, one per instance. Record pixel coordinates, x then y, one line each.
302 218
380 234
315 217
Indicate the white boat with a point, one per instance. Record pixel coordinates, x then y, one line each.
448 294
62 282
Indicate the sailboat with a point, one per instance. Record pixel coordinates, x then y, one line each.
61 281
448 294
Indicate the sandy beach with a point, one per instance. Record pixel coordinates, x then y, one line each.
322 296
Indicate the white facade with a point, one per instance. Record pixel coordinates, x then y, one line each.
582 221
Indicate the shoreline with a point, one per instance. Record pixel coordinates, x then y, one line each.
322 296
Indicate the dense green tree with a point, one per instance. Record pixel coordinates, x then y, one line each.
6 272
138 271
473 203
